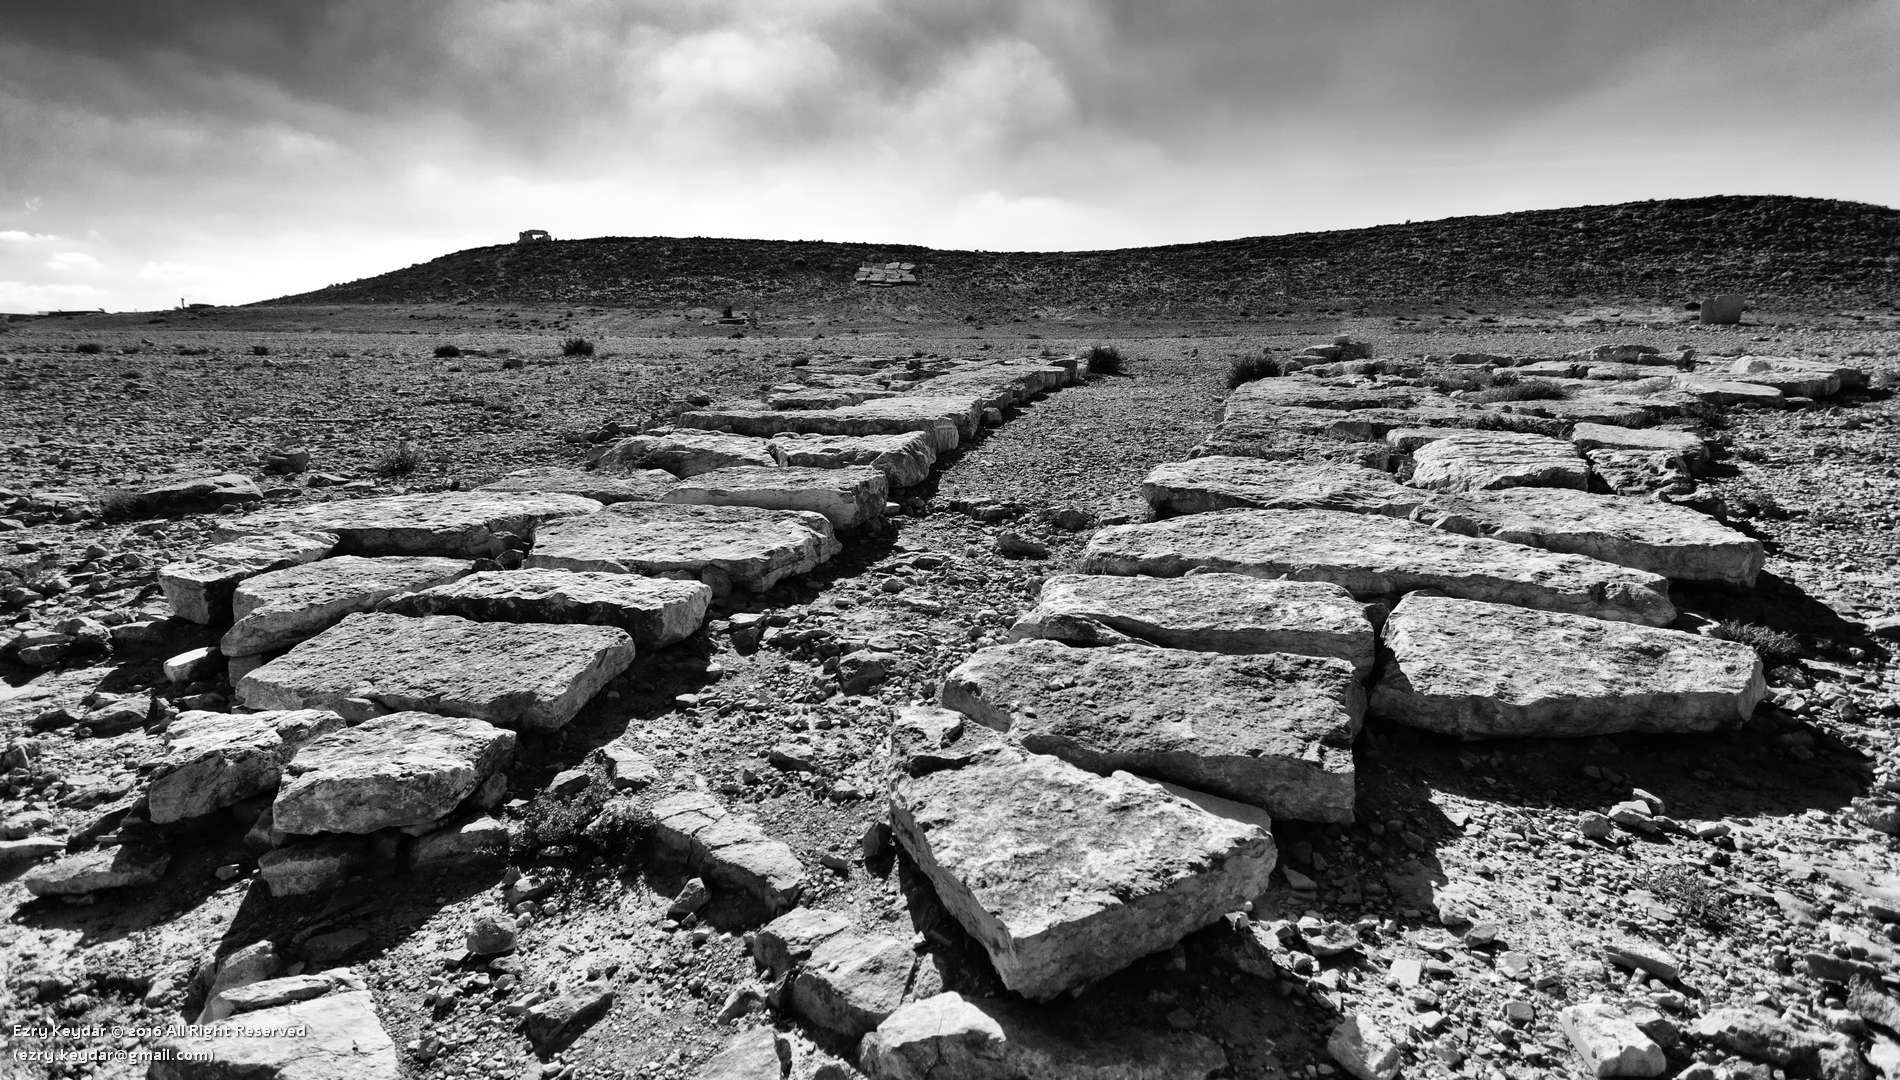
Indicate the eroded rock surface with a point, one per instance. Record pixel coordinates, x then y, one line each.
905 458
947 419
655 611
634 485
848 496
459 524
407 768
276 610
682 453
1219 483
199 589
334 1037
1486 460
724 546
214 760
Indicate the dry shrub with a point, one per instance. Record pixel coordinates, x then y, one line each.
1245 369
1104 360
1774 647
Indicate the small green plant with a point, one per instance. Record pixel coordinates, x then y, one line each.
552 821
1774 647
1104 360
1459 379
577 346
402 459
1527 390
260 350
447 352
1246 369
89 347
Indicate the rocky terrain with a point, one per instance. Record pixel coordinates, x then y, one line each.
1448 699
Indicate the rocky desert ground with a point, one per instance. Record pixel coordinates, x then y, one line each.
795 698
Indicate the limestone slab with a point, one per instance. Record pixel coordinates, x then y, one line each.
1300 391
1477 671
1790 376
214 760
276 610
682 453
465 524
1274 730
1685 446
1610 1043
533 676
88 872
1714 389
1220 482
334 1037
1376 557
1063 876
403 769
730 851
724 546
848 496
949 419
655 611
1487 460
950 1037
199 589
853 981
905 458
1639 473
635 485
1223 613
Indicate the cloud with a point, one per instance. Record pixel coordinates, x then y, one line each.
20 236
67 262
26 296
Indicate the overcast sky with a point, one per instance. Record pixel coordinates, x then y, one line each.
232 150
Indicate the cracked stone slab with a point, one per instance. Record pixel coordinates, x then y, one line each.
1223 613
458 524
199 589
1486 460
1274 730
1660 538
1302 392
1789 376
848 496
730 851
1685 446
949 419
682 453
276 610
905 458
534 676
403 769
724 546
853 981
1063 876
214 760
1000 385
1638 473
655 611
1714 389
94 871
334 1037
975 1039
1480 671
1220 483
1380 558
637 485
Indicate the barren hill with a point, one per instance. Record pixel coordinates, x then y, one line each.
1777 250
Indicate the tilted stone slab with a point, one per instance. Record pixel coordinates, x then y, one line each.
724 546
1687 446
1482 671
277 610
462 524
1274 730
523 675
905 458
848 497
655 611
407 768
1063 876
949 419
682 453
88 872
1487 460
334 1037
637 485
1673 541
1714 389
1220 483
1223 613
215 760
199 589
729 851
1376 558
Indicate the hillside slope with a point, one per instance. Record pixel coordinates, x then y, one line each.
1774 249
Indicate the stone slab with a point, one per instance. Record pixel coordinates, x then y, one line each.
334 1037
1487 460
950 1037
1714 389
730 851
1063 876
215 760
1299 391
1639 473
1479 671
458 524
1790 376
1220 482
655 611
1379 558
533 676
1223 613
848 497
1274 730
276 610
1687 446
905 458
199 589
636 485
88 872
948 419
682 453
394 771
724 546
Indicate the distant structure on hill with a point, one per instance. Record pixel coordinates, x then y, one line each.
884 275
532 236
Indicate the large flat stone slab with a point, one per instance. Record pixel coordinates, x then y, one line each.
1487 460
1379 558
334 1037
276 610
1063 876
905 458
460 524
523 675
1661 538
950 1036
88 872
1223 613
1640 473
949 419
1686 446
1483 671
1274 730
682 453
407 768
215 760
636 485
655 611
1299 391
1220 483
999 385
724 546
848 497
1791 376
199 589
730 851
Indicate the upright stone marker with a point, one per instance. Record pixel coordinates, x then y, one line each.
1723 309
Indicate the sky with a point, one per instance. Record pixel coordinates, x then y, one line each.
227 151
